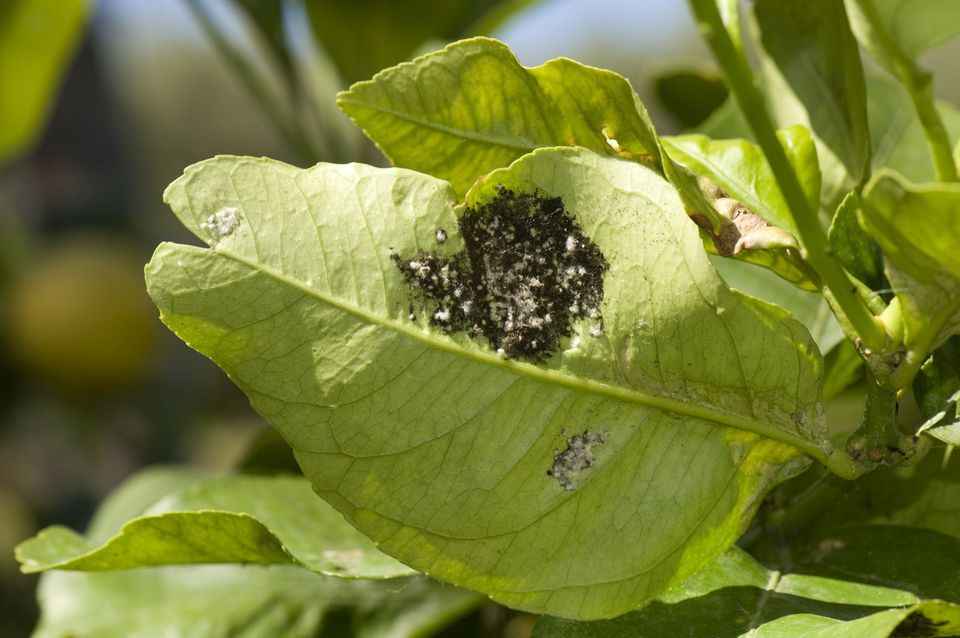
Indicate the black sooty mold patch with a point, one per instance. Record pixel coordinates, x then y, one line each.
525 274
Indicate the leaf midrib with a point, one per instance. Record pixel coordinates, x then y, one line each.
473 136
667 404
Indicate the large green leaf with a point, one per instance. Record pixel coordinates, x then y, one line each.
253 520
365 36
37 38
235 601
913 25
918 228
471 108
864 582
816 79
217 601
440 448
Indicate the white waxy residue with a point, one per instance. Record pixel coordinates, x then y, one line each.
222 223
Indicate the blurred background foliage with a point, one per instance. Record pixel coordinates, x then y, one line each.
102 104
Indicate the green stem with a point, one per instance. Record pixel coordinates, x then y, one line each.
919 85
878 439
843 297
256 86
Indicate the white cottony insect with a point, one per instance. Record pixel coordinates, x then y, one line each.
222 223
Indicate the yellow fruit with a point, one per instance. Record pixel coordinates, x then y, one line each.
80 316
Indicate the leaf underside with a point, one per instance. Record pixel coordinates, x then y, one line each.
439 449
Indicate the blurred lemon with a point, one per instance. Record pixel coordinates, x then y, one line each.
79 315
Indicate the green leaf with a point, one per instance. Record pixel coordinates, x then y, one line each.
809 308
439 448
365 36
918 228
229 600
248 601
914 25
237 519
471 108
690 96
37 39
857 252
740 168
899 142
936 386
816 79
924 494
937 389
865 582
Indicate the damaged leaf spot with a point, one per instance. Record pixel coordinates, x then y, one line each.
525 274
578 456
222 223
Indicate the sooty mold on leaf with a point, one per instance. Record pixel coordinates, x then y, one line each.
578 456
526 272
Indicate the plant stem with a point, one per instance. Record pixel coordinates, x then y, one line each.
843 298
877 440
257 87
919 85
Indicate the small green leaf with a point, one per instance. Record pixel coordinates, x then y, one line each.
914 25
253 520
299 301
229 600
864 582
471 108
936 385
918 228
857 252
740 168
690 96
816 79
37 39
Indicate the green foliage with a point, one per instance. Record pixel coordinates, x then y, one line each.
817 80
234 600
37 38
858 253
260 521
918 228
483 110
828 592
498 510
912 26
